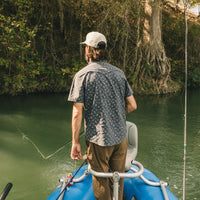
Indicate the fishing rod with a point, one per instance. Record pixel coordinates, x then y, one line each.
71 179
6 191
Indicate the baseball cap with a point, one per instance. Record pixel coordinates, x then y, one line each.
94 38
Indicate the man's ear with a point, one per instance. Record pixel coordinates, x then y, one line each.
87 48
88 52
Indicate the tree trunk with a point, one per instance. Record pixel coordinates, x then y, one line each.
152 66
61 14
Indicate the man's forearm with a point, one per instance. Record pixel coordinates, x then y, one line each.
131 104
76 122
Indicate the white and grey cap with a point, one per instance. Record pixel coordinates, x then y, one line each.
94 38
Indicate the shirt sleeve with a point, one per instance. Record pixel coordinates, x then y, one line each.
128 90
76 93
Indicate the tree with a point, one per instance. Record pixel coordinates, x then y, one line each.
152 68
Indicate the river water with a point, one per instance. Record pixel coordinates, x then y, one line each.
33 128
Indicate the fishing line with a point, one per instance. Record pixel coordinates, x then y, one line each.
37 148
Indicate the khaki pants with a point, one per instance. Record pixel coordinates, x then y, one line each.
107 159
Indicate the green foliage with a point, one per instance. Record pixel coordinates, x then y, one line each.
174 40
17 57
194 77
39 42
22 68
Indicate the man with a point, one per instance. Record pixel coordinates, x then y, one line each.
102 90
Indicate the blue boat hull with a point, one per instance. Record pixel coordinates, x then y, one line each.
132 187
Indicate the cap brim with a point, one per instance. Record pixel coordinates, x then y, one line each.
83 43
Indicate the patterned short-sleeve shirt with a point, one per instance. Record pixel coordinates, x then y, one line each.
102 88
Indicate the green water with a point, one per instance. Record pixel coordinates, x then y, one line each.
45 120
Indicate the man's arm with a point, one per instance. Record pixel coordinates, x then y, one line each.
130 104
77 113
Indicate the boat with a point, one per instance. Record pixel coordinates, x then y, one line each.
139 183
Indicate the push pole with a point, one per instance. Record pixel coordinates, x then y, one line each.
186 3
185 115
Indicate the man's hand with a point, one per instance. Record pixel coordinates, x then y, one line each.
76 153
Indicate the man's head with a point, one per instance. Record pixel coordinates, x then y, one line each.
94 39
95 46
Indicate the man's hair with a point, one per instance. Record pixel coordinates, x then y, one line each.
99 53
